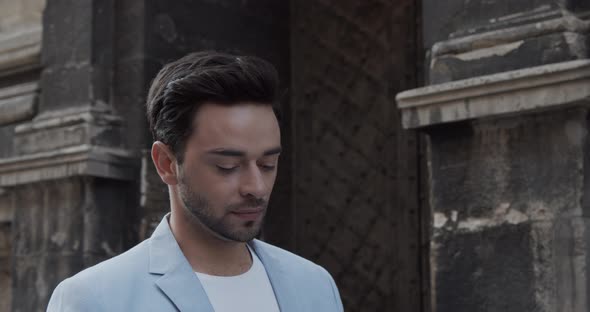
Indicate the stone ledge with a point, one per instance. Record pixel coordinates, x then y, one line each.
69 116
18 103
566 23
68 127
504 93
21 51
83 160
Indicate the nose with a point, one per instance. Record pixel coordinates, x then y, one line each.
253 183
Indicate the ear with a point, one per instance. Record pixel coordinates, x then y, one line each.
165 163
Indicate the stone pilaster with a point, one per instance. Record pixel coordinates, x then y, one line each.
70 176
20 50
506 119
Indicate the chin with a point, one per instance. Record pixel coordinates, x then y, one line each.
244 235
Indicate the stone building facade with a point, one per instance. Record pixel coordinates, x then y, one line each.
505 112
469 194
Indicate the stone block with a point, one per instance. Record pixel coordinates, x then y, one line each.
21 50
457 18
487 270
18 103
65 87
71 30
499 171
5 284
62 232
35 278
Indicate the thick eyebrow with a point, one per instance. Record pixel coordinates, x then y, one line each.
273 151
237 153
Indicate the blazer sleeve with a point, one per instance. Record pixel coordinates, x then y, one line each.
71 298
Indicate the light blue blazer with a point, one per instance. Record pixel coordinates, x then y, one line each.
155 276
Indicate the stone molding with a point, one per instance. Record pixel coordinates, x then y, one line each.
68 116
69 142
510 92
20 52
566 23
68 127
18 102
82 160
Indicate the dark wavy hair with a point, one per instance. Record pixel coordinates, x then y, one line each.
182 86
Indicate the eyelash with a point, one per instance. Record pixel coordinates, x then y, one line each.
232 169
226 170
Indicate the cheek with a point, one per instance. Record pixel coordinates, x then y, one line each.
271 179
206 181
219 188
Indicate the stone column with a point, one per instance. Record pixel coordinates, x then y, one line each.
508 148
20 49
70 175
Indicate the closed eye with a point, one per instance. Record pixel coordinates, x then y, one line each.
226 169
268 167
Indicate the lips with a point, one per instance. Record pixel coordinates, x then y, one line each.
248 214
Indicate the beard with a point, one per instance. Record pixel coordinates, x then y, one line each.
201 211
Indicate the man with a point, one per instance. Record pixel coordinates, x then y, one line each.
217 144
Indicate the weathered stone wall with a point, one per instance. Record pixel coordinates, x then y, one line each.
510 215
5 266
474 38
20 46
506 117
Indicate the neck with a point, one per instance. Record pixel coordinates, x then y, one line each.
205 251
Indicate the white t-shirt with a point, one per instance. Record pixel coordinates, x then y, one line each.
250 291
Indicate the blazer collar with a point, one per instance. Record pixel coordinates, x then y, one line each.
179 282
278 274
181 285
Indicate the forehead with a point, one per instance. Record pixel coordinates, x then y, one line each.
250 127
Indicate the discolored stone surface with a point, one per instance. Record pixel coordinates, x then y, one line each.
489 270
478 168
456 18
549 48
5 266
83 223
510 226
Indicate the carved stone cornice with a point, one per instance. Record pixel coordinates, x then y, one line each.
20 51
518 91
68 127
82 160
79 141
18 102
518 41
456 46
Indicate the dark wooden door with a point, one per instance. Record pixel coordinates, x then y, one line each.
354 171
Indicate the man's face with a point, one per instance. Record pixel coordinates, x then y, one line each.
229 168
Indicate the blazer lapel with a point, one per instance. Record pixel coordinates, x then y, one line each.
285 291
178 282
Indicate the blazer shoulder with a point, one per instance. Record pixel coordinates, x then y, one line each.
71 295
130 262
86 290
